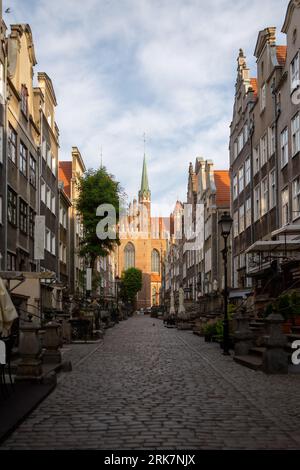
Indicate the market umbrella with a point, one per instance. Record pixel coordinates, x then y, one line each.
8 312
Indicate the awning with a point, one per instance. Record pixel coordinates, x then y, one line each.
290 229
273 245
8 312
238 293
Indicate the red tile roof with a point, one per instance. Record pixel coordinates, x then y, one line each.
281 54
65 175
253 82
222 182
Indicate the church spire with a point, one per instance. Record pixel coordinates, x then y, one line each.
144 182
144 192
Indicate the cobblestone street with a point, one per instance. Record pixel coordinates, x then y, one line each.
150 387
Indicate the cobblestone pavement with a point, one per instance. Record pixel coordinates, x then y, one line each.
150 387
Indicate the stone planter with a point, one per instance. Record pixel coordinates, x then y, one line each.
30 366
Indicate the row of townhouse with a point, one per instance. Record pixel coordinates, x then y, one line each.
193 256
265 163
40 229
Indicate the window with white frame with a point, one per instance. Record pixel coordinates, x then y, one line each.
235 224
295 134
48 197
263 150
235 149
235 188
246 133
248 212
256 159
272 186
294 72
24 99
247 171
240 141
272 140
241 218
257 203
23 159
263 97
53 164
264 196
296 198
241 179
12 144
285 206
284 136
32 170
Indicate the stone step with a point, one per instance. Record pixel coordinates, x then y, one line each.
250 361
257 351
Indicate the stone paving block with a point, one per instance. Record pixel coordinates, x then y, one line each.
157 388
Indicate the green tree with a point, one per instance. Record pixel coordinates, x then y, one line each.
131 284
96 187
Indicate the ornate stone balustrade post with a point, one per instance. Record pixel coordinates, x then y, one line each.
52 343
242 335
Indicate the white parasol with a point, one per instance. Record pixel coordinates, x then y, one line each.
8 312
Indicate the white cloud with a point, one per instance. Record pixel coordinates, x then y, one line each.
124 67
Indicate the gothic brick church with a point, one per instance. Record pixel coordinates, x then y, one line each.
143 243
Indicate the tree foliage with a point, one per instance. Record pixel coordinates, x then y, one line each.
131 284
96 187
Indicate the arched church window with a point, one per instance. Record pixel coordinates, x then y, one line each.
155 261
129 254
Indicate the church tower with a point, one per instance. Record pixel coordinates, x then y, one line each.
144 192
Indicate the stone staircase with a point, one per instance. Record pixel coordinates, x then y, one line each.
254 359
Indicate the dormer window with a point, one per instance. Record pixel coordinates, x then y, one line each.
24 99
295 72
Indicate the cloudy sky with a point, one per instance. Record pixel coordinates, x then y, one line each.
164 67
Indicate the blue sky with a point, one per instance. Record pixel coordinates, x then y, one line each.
164 67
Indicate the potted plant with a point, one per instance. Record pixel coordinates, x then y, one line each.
208 332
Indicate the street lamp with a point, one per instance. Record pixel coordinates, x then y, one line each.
225 224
